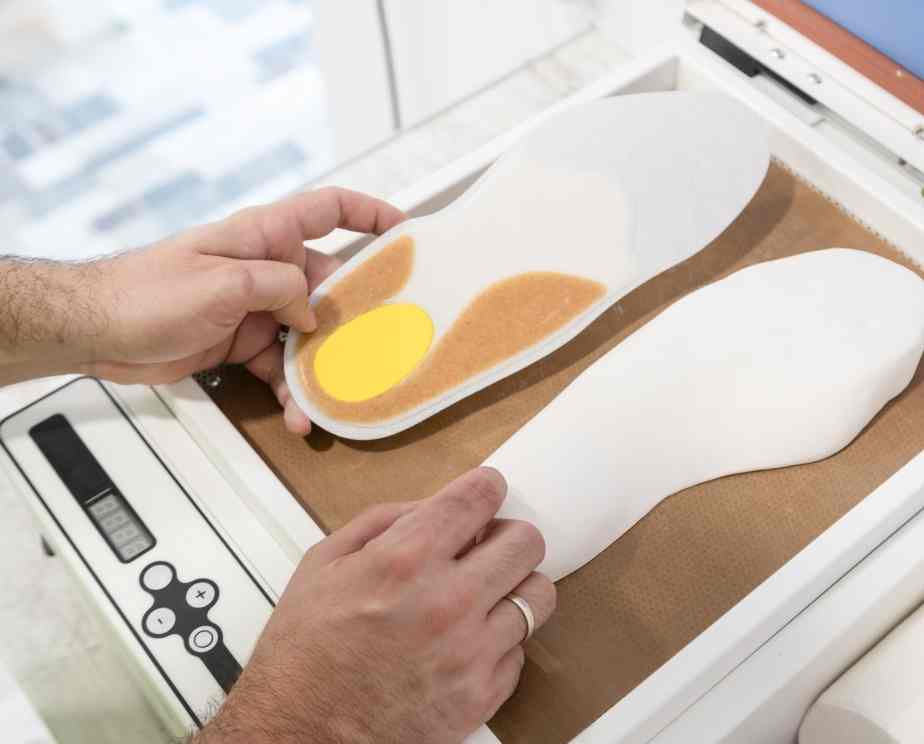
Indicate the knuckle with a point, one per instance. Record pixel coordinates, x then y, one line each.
247 222
442 612
467 596
460 601
296 276
403 562
331 195
239 282
248 215
327 192
487 486
527 540
379 512
251 225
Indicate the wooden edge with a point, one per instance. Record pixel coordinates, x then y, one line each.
850 49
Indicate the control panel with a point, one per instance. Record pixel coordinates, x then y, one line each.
186 601
181 609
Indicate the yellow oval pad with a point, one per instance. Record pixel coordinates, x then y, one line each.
373 352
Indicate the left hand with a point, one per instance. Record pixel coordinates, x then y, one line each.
395 629
219 293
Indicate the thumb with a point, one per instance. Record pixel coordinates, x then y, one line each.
281 289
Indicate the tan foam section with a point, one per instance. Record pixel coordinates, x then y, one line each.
681 567
508 316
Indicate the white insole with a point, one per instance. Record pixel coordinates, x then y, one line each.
781 363
617 191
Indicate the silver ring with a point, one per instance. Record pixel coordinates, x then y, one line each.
523 606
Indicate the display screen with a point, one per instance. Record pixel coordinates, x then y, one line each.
101 500
120 525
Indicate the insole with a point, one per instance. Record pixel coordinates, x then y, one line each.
779 364
585 208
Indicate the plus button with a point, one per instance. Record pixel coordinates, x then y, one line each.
201 593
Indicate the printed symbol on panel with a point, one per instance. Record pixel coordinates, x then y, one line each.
159 621
201 594
203 639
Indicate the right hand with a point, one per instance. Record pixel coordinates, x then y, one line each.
395 628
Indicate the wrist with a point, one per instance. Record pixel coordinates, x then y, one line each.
243 722
54 319
261 710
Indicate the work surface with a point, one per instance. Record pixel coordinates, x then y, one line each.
686 563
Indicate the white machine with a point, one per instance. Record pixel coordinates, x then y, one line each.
106 467
183 537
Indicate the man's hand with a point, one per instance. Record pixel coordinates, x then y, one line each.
219 293
395 628
214 294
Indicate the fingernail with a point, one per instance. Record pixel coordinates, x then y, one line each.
296 421
311 322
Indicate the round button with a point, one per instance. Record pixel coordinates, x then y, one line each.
159 621
157 576
203 639
201 594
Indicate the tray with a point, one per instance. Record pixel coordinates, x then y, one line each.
685 564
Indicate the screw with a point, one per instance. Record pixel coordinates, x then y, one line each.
778 53
760 24
815 78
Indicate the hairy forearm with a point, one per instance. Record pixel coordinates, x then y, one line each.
253 714
51 317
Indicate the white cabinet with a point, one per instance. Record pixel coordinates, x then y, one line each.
389 64
444 50
351 47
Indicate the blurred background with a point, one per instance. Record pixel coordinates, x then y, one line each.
123 121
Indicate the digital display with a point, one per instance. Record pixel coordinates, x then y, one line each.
121 526
101 500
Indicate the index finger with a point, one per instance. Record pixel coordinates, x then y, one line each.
331 207
279 230
455 515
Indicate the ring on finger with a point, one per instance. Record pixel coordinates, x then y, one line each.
523 606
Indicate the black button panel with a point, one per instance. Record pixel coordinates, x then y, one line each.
181 608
